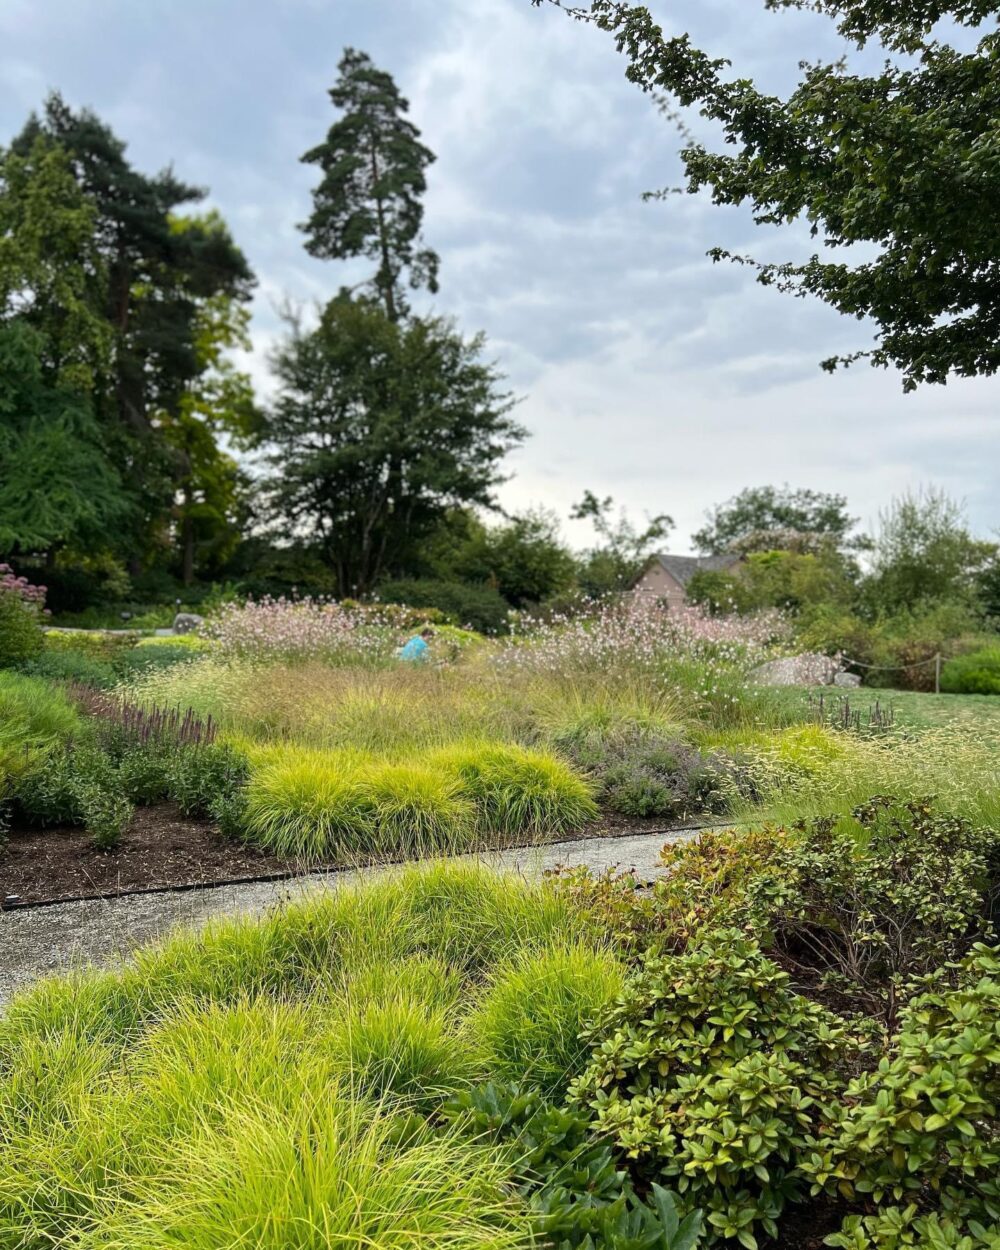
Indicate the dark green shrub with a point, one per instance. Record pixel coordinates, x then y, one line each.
875 901
48 793
201 777
920 1136
229 811
72 666
477 607
144 773
106 815
139 660
577 1195
61 788
976 673
21 614
712 1076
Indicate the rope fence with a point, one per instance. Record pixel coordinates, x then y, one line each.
902 668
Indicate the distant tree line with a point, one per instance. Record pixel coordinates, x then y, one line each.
137 465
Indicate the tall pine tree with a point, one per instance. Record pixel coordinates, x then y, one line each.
368 201
121 309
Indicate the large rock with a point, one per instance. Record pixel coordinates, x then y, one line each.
848 681
186 622
809 669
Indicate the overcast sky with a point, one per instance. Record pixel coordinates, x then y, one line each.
647 372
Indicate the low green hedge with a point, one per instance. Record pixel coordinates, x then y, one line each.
975 673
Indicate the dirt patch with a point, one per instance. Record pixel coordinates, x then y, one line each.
162 848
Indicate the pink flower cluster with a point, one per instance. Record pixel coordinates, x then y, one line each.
301 629
636 634
32 596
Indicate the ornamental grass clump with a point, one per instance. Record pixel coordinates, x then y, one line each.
398 1048
343 804
264 1081
331 1171
517 791
36 721
310 804
527 1027
960 767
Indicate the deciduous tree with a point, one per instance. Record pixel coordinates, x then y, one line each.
769 518
622 549
902 161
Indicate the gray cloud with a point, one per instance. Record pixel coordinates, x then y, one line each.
648 372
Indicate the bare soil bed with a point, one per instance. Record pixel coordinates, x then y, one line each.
162 848
165 850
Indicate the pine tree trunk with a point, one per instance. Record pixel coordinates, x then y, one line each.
383 243
187 542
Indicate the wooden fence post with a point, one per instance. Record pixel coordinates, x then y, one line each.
937 673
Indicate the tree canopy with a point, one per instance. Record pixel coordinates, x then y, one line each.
924 554
368 200
770 518
378 428
903 162
112 281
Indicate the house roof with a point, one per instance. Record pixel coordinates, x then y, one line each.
683 568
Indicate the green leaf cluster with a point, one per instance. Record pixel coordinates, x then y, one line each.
920 1135
578 1197
713 1076
897 161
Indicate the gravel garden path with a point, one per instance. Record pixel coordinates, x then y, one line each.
37 941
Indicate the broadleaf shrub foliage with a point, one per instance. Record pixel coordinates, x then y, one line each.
871 903
576 1193
713 1076
920 1135
22 610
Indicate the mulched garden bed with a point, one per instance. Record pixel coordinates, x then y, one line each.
164 850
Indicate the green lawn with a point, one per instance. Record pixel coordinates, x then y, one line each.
979 712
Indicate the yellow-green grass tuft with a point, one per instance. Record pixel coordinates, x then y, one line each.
331 1172
517 791
465 916
417 808
527 1027
396 1048
256 1082
35 716
310 804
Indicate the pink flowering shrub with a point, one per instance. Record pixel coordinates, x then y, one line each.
706 658
305 629
22 610
638 635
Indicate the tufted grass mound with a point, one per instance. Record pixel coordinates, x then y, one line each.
517 791
527 1026
344 805
275 1082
